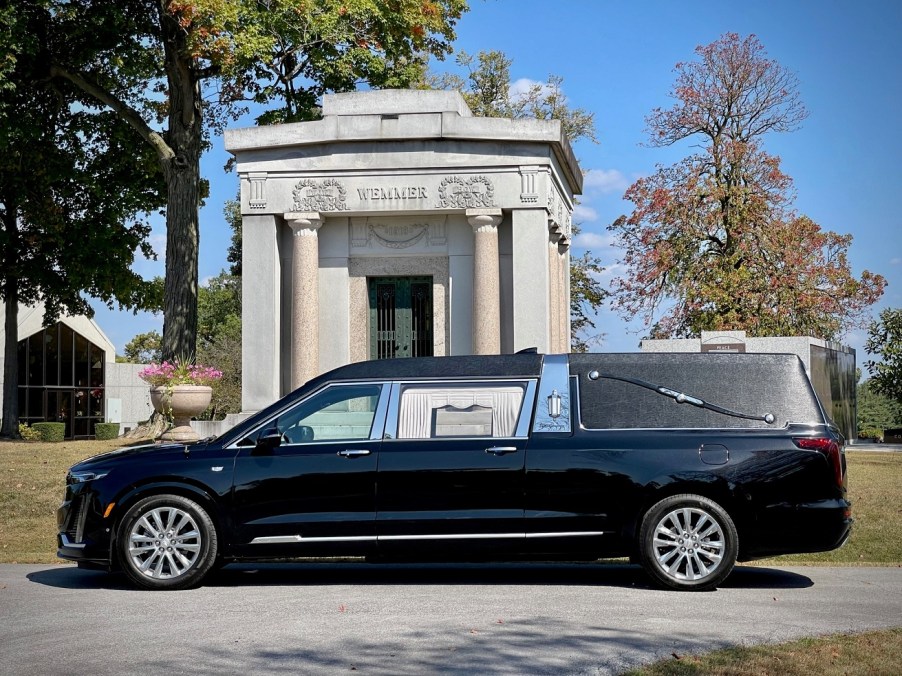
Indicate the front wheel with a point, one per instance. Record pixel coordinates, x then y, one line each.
167 542
688 542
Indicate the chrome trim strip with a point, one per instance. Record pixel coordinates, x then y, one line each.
456 536
67 543
582 533
285 539
529 404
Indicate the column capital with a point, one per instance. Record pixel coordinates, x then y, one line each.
304 223
484 220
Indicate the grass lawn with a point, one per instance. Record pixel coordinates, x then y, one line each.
32 484
874 652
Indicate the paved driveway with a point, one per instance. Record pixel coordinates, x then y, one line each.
409 619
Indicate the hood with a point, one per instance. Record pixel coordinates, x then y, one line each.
131 451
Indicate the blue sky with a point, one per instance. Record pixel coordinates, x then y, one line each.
617 61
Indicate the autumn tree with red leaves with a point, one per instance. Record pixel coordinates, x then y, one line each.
713 242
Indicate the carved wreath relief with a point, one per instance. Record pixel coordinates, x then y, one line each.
327 194
395 235
456 192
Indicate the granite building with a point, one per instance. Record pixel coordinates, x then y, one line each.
400 225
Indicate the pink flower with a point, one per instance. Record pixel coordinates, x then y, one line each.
182 372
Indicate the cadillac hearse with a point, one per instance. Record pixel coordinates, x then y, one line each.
685 463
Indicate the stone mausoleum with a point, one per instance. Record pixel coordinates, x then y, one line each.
400 225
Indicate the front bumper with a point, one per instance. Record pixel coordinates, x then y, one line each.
81 535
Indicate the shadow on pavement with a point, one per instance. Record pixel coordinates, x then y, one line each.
514 574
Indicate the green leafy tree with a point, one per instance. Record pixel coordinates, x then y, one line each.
71 189
232 213
219 340
175 70
876 411
714 238
885 341
488 91
145 348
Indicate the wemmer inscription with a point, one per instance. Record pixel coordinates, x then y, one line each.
407 192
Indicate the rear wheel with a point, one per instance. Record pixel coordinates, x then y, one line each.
167 542
688 542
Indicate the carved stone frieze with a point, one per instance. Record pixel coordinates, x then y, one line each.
402 233
457 192
327 194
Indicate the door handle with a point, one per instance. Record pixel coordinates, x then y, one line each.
353 453
501 450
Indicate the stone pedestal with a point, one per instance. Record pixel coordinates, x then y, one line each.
181 403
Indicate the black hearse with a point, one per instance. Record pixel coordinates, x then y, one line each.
686 463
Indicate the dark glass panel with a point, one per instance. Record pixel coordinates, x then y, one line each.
52 362
82 361
96 403
96 366
23 401
23 364
81 404
36 360
81 427
35 403
66 411
66 347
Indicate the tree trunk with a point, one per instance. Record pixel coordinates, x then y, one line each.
10 413
182 174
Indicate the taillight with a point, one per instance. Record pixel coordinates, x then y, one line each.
831 450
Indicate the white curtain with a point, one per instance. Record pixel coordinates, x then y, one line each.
417 404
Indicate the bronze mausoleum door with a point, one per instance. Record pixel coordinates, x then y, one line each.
400 317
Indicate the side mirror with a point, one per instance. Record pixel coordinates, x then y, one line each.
270 440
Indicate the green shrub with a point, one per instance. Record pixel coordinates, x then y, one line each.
104 431
871 433
28 434
50 431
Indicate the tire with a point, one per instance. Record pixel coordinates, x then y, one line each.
688 542
167 542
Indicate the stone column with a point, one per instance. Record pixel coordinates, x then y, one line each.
304 296
554 291
486 281
563 248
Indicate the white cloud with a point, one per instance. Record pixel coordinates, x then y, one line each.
591 240
605 181
582 213
521 87
895 261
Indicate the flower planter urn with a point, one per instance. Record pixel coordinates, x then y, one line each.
181 402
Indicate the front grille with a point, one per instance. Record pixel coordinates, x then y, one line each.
75 529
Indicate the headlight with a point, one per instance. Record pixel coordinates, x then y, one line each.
85 475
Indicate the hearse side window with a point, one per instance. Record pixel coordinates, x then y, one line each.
470 410
337 413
